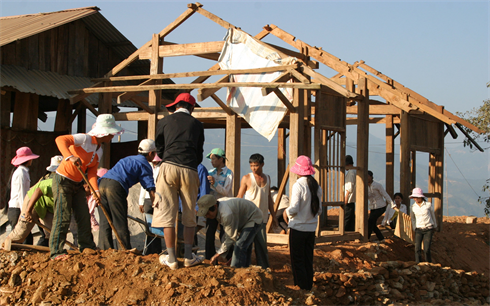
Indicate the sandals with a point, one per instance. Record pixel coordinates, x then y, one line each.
61 257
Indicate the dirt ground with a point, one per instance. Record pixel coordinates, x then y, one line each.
122 278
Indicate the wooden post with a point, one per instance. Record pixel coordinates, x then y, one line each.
437 163
5 107
21 110
281 153
33 110
390 156
318 161
82 120
296 132
405 175
105 107
232 148
63 113
362 159
154 98
413 169
307 128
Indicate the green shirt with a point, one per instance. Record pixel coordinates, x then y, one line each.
46 201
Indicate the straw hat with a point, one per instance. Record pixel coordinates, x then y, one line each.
417 193
105 125
55 162
303 166
23 154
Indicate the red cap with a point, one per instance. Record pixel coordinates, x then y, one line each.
186 97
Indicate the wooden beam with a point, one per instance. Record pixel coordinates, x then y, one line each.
450 129
136 88
425 149
281 152
82 119
329 83
390 156
63 114
154 96
90 107
296 74
206 73
362 160
296 131
233 148
33 111
129 95
413 168
281 96
386 109
458 125
225 107
372 120
185 49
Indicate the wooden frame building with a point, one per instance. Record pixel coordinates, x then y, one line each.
319 112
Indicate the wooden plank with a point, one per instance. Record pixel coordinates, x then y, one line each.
136 88
390 156
281 152
450 129
330 84
196 73
413 168
336 238
277 238
184 49
362 160
129 95
405 154
280 193
296 74
233 148
90 107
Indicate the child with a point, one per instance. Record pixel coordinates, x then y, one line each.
20 184
83 150
255 187
221 183
303 212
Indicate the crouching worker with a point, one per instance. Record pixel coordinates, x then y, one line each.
38 204
114 188
241 221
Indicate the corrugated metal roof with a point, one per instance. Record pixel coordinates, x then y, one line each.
17 27
46 83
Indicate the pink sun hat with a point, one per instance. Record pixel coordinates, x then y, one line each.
417 193
23 154
303 166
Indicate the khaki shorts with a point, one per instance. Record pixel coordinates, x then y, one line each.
174 182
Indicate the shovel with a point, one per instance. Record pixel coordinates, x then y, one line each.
102 207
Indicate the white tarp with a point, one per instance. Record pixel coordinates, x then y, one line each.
240 51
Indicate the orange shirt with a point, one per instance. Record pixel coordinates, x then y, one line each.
84 147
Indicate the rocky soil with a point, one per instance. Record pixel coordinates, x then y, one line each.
345 273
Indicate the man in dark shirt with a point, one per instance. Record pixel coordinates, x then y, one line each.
179 141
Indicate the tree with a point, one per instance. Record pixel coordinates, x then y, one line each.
480 118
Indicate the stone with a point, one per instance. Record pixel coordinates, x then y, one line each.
382 288
397 285
39 295
351 283
396 294
423 292
137 271
14 280
379 271
214 282
430 286
310 300
406 272
341 292
344 278
77 267
136 296
471 219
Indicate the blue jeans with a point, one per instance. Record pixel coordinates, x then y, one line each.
243 247
260 244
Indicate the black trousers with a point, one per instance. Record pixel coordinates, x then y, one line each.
114 199
373 217
210 249
301 246
426 236
13 215
350 217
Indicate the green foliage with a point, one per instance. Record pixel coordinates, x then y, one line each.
480 118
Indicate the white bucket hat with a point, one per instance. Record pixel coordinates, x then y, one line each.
105 125
147 146
55 162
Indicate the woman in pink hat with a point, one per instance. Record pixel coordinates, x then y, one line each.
423 222
303 211
20 184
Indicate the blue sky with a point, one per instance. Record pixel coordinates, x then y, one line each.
440 49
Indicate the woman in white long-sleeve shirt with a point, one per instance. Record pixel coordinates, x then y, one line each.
303 211
423 222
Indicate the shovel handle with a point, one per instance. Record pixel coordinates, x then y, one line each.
101 206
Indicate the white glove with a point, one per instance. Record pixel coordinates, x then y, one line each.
158 200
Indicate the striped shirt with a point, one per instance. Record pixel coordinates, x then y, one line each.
223 181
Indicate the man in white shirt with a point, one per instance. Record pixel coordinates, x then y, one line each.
378 199
350 195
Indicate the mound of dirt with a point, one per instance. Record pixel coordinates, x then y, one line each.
345 273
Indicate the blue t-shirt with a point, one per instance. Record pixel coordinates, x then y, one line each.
131 170
204 187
